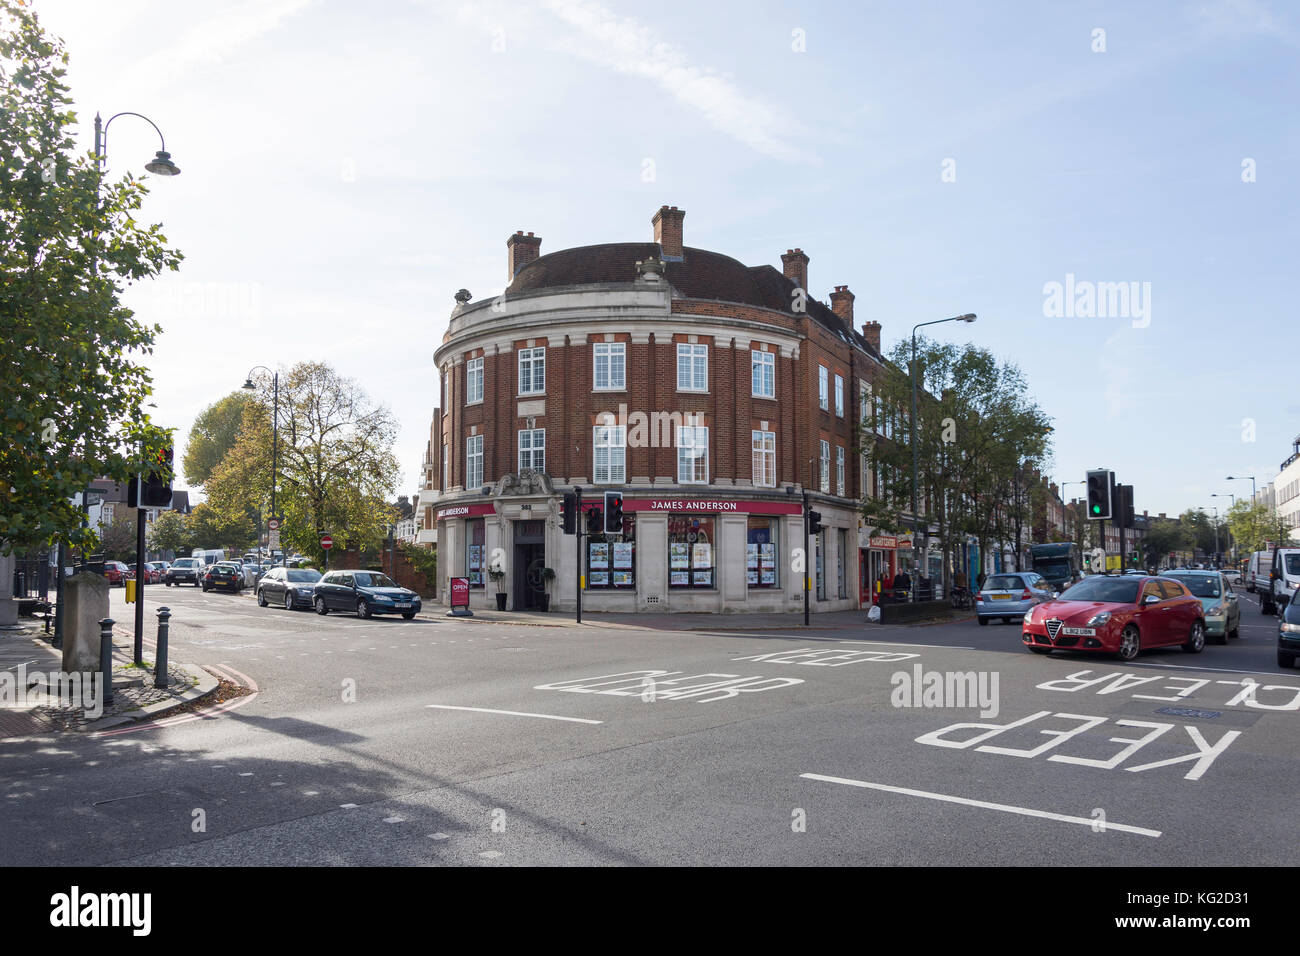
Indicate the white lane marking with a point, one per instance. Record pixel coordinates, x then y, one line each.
347 806
439 836
949 647
965 801
514 713
1192 667
490 854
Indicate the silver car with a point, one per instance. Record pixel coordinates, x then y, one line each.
1010 594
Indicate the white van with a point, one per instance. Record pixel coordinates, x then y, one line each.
210 556
1257 569
1279 578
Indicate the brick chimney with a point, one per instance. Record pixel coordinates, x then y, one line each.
521 251
871 332
842 304
795 266
668 232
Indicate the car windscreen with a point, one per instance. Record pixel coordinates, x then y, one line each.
1201 585
1098 588
373 579
304 575
1293 564
1003 582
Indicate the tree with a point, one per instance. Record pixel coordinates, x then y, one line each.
336 472
212 528
212 435
170 532
118 539
1164 536
1254 525
72 389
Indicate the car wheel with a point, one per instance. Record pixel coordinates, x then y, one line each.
1235 632
288 600
984 622
1130 643
363 609
261 598
1285 659
408 615
321 609
1196 640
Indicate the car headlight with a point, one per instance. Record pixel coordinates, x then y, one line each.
1097 620
1289 628
304 590
1029 616
1215 611
381 597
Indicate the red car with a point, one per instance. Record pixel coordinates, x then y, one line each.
118 573
1118 614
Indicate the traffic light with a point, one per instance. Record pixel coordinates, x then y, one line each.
1099 497
814 522
570 512
595 521
1124 506
613 512
157 485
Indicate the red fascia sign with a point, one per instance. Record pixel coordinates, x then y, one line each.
465 511
460 592
713 506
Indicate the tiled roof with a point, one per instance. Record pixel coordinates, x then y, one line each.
700 274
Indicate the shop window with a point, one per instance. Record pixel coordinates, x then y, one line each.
475 551
760 553
611 560
691 554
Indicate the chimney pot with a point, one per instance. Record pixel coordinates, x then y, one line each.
871 332
795 266
842 304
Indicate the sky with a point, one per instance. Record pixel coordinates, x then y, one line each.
347 167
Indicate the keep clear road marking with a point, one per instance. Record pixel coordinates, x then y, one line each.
1005 808
950 647
514 713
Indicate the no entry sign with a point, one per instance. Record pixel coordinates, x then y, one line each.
326 542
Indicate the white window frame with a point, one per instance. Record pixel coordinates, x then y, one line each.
473 372
839 470
535 439
762 374
697 377
825 482
839 396
763 458
536 359
692 438
611 439
823 388
473 454
607 351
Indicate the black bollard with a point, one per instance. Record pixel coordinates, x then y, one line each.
106 657
160 658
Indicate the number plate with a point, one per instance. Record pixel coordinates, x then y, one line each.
404 606
1000 597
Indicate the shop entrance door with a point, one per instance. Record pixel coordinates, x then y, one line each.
529 559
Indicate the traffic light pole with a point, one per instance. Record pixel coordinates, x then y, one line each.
807 581
139 571
579 520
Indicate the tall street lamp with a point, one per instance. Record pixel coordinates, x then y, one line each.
916 517
1227 494
249 386
160 165
1252 484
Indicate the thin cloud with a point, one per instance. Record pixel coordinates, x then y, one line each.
626 46
214 39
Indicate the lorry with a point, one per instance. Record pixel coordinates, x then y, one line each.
1058 562
1275 577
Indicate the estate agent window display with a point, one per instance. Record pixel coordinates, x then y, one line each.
611 561
691 555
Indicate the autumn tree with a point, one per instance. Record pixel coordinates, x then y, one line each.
73 391
212 435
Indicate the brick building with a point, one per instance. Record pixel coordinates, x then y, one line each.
712 394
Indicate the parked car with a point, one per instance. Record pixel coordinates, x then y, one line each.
366 593
118 573
1288 635
1232 576
289 587
1219 601
1120 615
224 574
184 570
1009 595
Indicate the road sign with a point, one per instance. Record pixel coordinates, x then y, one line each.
273 540
326 542
273 524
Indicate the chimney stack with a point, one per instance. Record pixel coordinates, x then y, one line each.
521 251
871 332
842 304
795 265
668 232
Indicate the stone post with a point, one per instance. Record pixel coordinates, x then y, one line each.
86 597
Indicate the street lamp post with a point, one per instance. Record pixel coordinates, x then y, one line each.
160 165
1216 533
1252 484
916 466
1227 494
275 435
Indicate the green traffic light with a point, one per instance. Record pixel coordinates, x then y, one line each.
1096 509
